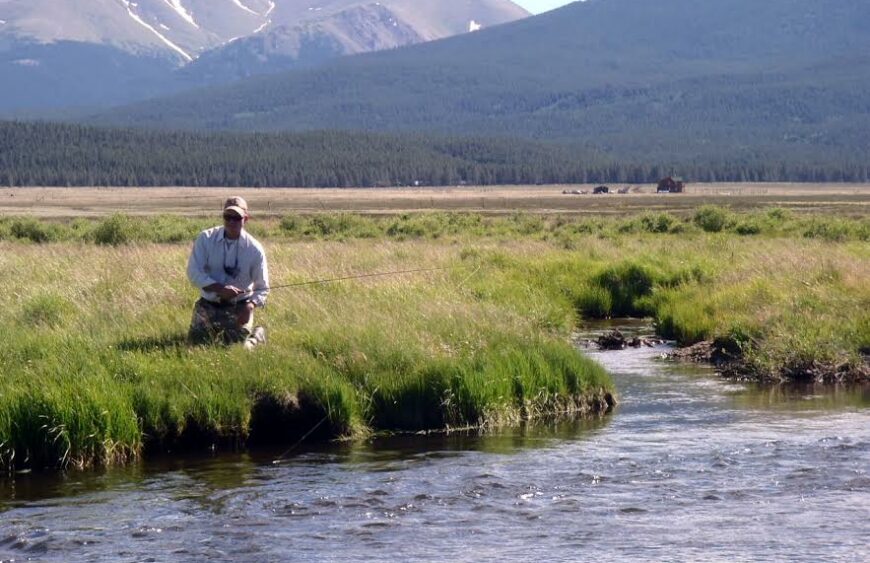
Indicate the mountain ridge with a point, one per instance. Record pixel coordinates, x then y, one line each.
171 45
627 74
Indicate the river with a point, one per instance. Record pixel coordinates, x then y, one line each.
687 468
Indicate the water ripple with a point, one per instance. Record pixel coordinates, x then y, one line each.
689 467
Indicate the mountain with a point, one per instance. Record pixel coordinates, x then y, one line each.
632 76
98 52
307 37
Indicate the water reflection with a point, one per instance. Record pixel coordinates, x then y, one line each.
811 397
196 474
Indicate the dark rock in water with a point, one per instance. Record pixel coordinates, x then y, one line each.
613 340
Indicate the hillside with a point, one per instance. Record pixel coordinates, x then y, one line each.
672 77
66 53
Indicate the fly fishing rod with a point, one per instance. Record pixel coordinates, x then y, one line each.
355 277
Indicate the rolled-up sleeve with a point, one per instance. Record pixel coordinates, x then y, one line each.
260 277
196 264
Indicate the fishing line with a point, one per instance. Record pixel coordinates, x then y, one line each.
281 457
375 274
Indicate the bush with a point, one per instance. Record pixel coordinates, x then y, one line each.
115 230
405 226
778 215
340 226
833 230
291 224
658 222
711 218
748 227
33 230
168 229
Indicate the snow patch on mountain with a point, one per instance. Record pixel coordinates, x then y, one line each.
245 8
130 5
182 11
266 15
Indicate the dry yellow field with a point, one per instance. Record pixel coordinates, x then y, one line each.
848 199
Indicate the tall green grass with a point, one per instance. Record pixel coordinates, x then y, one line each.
96 368
121 229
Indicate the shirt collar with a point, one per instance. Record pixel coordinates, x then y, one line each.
223 232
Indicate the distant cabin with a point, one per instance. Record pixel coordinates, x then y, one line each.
670 185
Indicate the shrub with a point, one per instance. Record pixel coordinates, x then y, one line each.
291 224
166 229
115 230
748 227
406 226
33 230
833 230
341 225
778 214
711 218
658 222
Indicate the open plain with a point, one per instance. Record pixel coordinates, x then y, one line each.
842 199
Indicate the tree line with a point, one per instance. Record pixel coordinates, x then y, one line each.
55 154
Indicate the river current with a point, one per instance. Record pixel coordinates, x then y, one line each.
687 468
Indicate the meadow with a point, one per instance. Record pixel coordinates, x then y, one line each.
96 368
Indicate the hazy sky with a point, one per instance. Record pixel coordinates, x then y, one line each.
538 6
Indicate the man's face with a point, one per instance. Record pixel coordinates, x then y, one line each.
233 223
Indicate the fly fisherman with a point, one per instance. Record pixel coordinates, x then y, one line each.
228 266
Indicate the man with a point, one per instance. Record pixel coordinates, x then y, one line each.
228 266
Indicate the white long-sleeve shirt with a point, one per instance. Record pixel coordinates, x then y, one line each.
213 254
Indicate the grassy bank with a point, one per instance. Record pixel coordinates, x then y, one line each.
96 369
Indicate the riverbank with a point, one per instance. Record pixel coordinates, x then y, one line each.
688 467
97 370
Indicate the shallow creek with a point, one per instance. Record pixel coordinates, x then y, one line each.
688 467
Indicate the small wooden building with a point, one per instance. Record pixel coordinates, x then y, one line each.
670 185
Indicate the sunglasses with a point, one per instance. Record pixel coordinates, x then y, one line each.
232 218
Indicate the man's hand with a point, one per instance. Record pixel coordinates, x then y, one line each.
245 313
225 292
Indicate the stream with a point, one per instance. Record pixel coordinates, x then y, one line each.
687 467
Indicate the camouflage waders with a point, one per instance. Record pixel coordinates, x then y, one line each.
218 322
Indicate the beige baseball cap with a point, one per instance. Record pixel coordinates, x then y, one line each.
238 205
